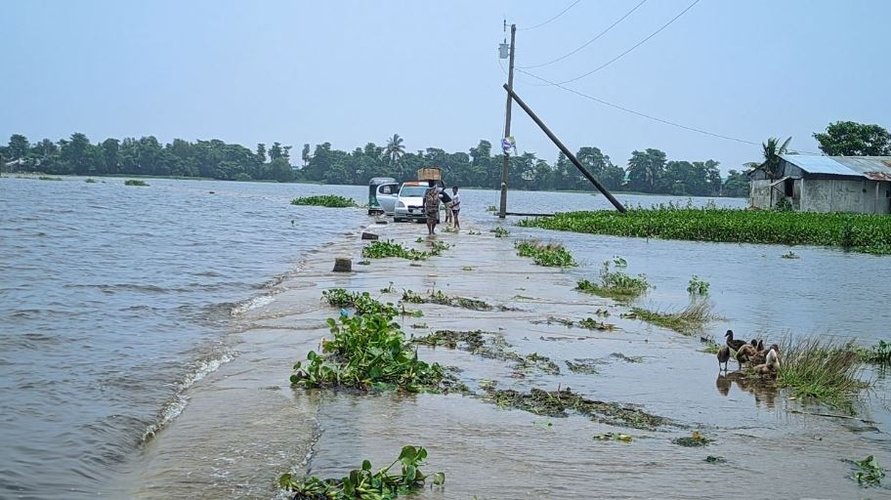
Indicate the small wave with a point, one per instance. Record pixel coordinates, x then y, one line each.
177 404
253 303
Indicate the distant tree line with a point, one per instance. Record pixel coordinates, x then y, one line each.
647 171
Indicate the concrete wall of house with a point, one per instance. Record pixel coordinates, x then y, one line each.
844 195
759 194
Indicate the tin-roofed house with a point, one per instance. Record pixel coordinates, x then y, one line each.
813 183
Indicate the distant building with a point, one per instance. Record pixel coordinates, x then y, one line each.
813 183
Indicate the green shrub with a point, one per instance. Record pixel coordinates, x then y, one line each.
382 249
135 182
616 284
545 254
825 370
687 321
697 286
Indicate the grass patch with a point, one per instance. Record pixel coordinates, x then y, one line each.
687 321
616 284
545 254
48 178
500 232
857 232
328 200
362 483
697 286
135 182
822 370
561 401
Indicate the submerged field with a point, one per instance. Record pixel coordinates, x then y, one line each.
856 232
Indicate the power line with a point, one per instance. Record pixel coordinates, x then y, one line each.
638 113
573 4
589 42
638 44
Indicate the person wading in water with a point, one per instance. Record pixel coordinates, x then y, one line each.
431 207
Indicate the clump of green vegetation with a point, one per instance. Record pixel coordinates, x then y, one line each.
491 208
868 472
438 297
613 436
687 321
388 289
467 268
500 232
616 284
857 232
557 403
879 354
368 351
712 459
339 297
90 180
586 366
790 255
695 439
383 249
328 200
488 345
593 324
711 347
364 484
697 286
824 370
363 302
545 254
48 178
135 182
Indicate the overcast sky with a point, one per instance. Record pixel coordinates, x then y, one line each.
357 71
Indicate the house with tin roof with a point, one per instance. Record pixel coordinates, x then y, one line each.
815 183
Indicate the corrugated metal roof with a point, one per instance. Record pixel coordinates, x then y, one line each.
872 167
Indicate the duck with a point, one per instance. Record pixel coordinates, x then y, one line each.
723 357
745 354
771 363
733 344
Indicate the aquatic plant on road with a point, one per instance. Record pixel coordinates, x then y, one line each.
545 254
364 484
383 249
857 232
616 284
327 200
135 182
687 321
367 351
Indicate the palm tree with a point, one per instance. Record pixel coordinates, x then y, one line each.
395 149
772 151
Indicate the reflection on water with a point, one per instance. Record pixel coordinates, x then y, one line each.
764 391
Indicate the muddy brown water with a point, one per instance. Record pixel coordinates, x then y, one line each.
244 425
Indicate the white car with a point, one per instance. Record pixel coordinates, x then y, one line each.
410 203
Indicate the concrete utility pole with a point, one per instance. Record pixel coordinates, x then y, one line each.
510 85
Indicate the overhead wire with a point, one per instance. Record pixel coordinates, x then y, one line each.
539 25
638 113
635 46
589 42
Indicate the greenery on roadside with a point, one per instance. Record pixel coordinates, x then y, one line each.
687 321
825 370
879 354
328 200
363 484
382 249
868 472
500 232
368 351
438 297
697 286
857 232
616 284
489 345
135 182
545 254
559 402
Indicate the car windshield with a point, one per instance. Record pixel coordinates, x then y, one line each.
411 191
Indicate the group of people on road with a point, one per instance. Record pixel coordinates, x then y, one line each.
433 197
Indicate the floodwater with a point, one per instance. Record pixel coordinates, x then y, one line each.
86 378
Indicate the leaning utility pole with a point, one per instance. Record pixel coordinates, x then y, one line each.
510 85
